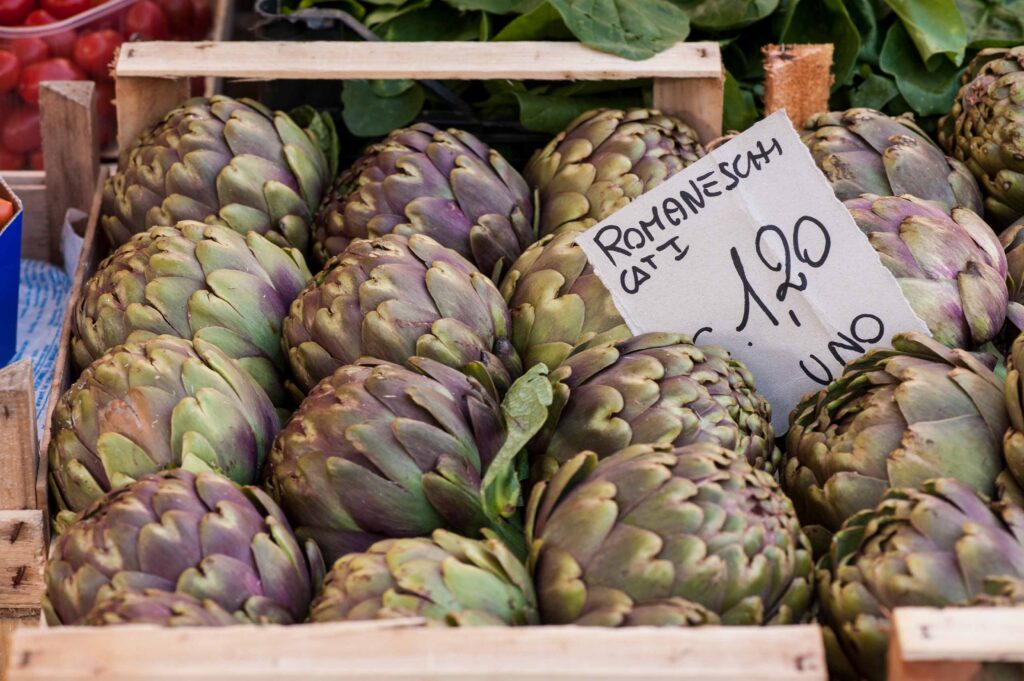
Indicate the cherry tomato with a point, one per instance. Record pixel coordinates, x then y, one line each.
94 52
62 43
146 20
57 68
203 19
10 70
10 160
180 15
30 50
35 160
62 9
105 101
21 132
13 12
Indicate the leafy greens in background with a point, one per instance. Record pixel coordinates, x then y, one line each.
893 55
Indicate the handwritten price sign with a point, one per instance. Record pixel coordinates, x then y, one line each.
749 249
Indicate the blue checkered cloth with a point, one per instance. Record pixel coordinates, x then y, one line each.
42 297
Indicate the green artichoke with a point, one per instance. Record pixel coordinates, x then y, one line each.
447 580
1013 439
162 403
221 160
557 302
949 264
445 184
667 536
655 388
941 545
199 535
163 608
863 151
603 160
194 280
895 418
395 297
1012 239
985 130
379 451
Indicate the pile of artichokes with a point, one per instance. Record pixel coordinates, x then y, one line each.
448 418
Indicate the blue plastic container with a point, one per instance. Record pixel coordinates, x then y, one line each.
10 265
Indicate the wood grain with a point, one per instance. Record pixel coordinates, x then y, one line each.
9 621
797 78
17 437
22 557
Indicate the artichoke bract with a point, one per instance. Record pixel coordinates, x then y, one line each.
985 130
603 160
194 280
1013 439
1012 239
199 535
895 418
863 151
379 451
667 536
218 159
162 403
655 388
948 263
446 579
942 545
396 297
446 184
163 608
557 301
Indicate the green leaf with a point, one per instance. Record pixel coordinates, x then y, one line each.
874 92
726 15
629 28
437 22
495 6
552 112
825 21
862 13
320 127
525 409
927 91
993 23
367 114
935 27
543 23
391 88
351 6
383 15
739 112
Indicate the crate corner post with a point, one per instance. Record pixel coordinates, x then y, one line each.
697 100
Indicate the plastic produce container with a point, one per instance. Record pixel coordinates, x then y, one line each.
43 40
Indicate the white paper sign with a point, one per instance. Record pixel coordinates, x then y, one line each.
749 249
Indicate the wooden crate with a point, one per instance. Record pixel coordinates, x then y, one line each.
153 78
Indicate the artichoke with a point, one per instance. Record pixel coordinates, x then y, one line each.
445 184
895 418
221 160
447 580
603 160
378 451
1013 439
1012 239
163 608
159 404
667 536
198 535
194 280
557 302
938 546
654 388
985 130
949 264
395 297
863 151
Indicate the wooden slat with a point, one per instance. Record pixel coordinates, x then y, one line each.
698 101
9 621
960 634
17 437
143 101
346 652
444 60
22 556
223 25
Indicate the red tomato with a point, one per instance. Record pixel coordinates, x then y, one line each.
203 19
10 160
21 132
30 50
62 9
13 12
62 44
35 160
6 211
105 101
180 15
94 52
146 20
10 70
50 69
